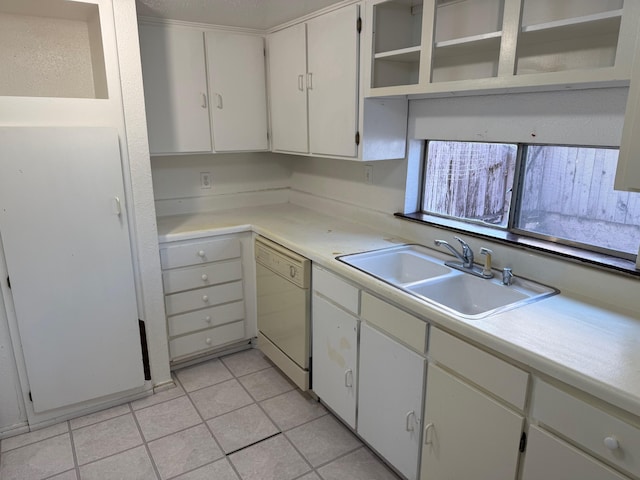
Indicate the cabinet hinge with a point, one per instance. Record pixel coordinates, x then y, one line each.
30 397
357 138
8 281
359 25
523 443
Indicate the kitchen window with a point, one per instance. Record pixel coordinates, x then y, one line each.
557 198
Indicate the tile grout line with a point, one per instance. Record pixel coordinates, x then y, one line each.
33 443
73 450
144 442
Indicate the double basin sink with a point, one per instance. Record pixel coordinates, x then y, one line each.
422 272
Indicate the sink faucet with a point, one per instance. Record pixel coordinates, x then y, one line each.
466 257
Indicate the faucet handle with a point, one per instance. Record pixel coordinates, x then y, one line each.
462 242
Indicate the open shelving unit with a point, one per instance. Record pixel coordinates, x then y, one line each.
51 48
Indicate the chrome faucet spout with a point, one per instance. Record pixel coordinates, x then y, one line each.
451 248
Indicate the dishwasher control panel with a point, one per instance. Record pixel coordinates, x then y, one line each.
284 262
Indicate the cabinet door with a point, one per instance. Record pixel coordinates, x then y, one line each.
467 434
175 89
391 381
332 82
334 358
66 243
548 458
237 83
287 79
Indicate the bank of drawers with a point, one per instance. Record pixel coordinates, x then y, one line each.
204 296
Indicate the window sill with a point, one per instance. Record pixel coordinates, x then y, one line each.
577 255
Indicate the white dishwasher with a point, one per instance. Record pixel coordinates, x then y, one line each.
284 308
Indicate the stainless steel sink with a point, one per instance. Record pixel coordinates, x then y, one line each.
420 271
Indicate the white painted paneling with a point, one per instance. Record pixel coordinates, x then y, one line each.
12 411
584 117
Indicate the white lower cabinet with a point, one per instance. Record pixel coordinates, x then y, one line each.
467 433
391 385
335 358
206 295
549 458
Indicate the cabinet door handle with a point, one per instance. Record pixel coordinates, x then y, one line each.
205 277
117 207
219 101
203 103
301 83
309 81
201 253
205 298
427 439
348 378
409 423
611 443
208 341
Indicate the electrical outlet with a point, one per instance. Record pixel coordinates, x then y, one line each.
205 180
368 174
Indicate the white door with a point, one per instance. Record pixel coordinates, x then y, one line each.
467 433
390 383
548 458
334 358
66 244
332 41
287 56
238 91
175 89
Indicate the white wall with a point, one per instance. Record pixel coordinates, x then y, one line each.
238 179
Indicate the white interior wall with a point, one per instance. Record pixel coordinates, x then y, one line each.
12 412
238 179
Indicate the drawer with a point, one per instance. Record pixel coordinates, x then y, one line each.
207 339
335 289
588 426
201 276
203 297
550 457
194 253
205 318
398 323
483 369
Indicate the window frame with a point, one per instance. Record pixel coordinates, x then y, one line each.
512 234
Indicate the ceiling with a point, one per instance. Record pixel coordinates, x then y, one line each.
255 14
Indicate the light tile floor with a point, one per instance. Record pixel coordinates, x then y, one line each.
233 418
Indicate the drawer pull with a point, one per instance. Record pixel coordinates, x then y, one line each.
205 298
207 319
409 423
427 438
201 253
611 443
208 341
205 277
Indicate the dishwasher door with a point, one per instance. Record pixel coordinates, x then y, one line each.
284 309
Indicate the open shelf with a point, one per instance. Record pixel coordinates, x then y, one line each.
51 48
586 26
410 54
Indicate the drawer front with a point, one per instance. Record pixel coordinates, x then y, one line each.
400 324
201 276
198 342
489 372
335 289
206 318
588 426
199 252
548 457
202 298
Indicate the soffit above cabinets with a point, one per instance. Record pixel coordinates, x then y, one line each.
253 14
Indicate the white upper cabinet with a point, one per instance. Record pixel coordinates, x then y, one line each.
316 101
485 45
238 92
200 103
287 88
332 82
175 89
313 76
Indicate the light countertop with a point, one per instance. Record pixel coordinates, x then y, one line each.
588 347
